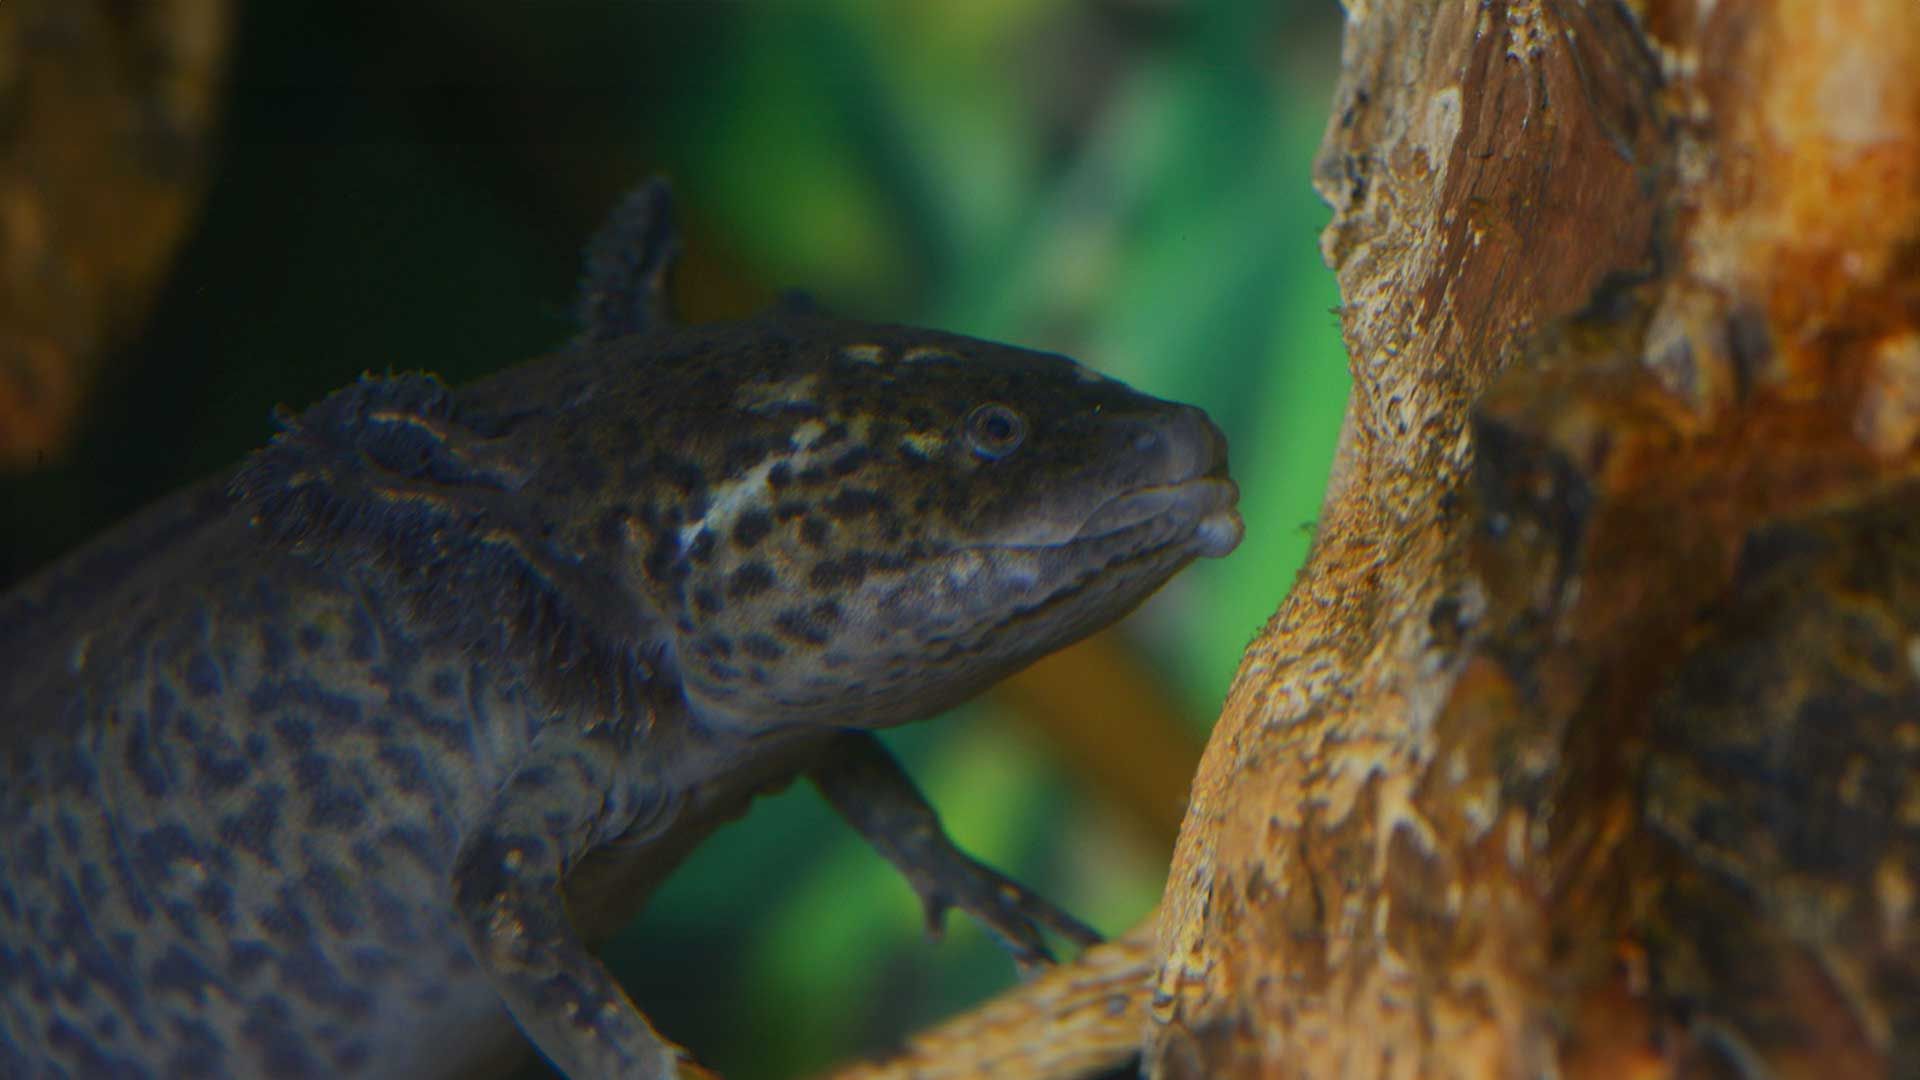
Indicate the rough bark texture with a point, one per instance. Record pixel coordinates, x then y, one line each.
1078 1020
1588 741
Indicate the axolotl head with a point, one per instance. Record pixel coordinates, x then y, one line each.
860 525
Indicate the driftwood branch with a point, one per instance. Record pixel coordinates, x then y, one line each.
1588 742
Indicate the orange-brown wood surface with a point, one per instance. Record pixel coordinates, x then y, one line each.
108 113
1588 741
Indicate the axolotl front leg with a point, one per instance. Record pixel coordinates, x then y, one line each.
867 786
573 792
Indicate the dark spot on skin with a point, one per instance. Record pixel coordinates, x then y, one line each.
750 580
275 649
701 549
751 528
361 646
198 1050
407 766
312 639
910 454
850 462
215 901
203 676
813 476
415 842
838 573
611 527
533 779
157 849
69 833
269 1027
74 1045
589 475
788 509
779 475
251 830
814 531
741 455
714 645
392 917
762 647
187 725
336 807
93 886
301 703
178 971
334 891
857 502
442 727
72 772
679 472
813 625
310 771
218 767
143 759
881 432
35 854
244 958
706 601
663 562
69 927
445 684
285 922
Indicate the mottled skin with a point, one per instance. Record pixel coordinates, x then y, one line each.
335 765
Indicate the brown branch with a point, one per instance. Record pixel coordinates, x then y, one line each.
1586 742
1479 803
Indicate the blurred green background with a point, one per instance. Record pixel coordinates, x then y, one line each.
407 186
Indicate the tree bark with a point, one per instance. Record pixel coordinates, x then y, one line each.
1588 741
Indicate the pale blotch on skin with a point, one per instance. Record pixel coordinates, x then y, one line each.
767 398
928 354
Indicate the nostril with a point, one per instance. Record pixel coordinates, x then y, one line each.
1146 441
1199 448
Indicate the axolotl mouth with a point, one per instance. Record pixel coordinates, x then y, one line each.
1210 503
1182 499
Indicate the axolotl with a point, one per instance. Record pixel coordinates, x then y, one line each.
338 763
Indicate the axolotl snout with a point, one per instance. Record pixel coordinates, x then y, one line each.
335 764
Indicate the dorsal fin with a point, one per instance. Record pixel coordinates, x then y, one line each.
623 288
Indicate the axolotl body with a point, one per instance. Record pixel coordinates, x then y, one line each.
337 763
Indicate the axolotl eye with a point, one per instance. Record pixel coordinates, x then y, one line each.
993 430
